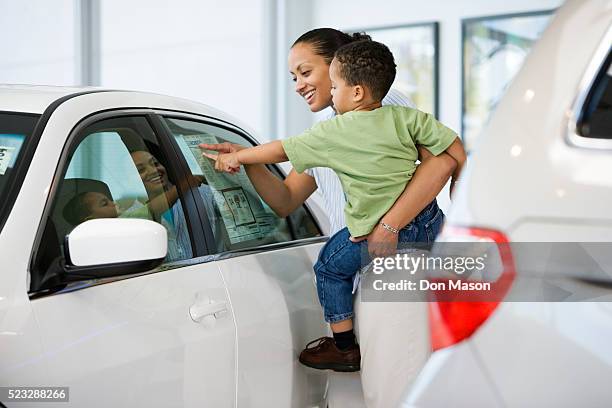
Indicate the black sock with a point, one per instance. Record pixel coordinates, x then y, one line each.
344 340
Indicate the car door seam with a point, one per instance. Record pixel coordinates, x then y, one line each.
236 351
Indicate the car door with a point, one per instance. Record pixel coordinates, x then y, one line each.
164 338
266 262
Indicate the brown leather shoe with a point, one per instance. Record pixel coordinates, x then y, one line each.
323 354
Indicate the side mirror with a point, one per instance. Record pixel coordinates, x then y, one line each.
107 247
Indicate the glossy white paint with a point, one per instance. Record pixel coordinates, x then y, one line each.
453 377
110 240
133 342
191 336
33 98
528 181
275 316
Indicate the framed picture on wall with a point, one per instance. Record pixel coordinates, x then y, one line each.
415 49
494 49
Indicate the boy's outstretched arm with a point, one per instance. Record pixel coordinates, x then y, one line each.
268 153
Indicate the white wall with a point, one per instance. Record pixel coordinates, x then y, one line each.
38 42
208 51
347 14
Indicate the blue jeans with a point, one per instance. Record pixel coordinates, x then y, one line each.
340 259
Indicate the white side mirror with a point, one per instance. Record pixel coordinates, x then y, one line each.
106 241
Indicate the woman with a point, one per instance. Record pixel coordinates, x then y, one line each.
309 60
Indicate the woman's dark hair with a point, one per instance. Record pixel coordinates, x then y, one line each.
326 41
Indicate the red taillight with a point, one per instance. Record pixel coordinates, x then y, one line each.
453 321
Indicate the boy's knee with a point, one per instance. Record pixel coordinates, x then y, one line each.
317 267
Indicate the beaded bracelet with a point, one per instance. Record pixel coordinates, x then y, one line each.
389 228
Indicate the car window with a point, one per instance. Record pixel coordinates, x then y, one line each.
244 220
115 169
15 129
597 112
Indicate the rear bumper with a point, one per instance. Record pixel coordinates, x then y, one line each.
452 376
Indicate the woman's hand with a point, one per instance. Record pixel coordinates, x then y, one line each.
196 180
381 242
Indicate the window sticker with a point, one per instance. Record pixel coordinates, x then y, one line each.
239 206
244 215
9 149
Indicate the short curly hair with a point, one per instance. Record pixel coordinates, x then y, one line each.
368 63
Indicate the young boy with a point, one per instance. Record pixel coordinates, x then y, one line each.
372 149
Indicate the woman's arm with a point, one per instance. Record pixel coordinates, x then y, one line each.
457 152
282 196
428 180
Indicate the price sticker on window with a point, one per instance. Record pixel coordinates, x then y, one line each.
6 153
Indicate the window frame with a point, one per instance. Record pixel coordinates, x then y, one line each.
216 122
591 77
175 170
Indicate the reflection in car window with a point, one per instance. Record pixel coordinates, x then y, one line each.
597 113
123 155
115 170
245 219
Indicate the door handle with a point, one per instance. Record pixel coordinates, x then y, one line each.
204 306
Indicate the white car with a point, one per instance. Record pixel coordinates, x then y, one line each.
210 310
540 173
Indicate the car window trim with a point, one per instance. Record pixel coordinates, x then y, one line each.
196 203
61 168
268 248
589 79
189 201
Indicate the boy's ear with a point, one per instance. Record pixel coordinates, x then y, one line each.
358 93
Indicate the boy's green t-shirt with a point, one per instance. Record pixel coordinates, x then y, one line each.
373 153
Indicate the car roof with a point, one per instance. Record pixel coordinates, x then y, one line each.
37 98
34 98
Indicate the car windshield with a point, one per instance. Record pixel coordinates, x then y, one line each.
15 129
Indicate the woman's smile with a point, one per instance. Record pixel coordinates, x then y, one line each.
309 96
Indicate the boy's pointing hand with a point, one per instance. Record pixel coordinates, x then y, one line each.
228 162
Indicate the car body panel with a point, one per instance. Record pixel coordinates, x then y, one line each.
444 383
34 98
275 316
134 341
556 354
